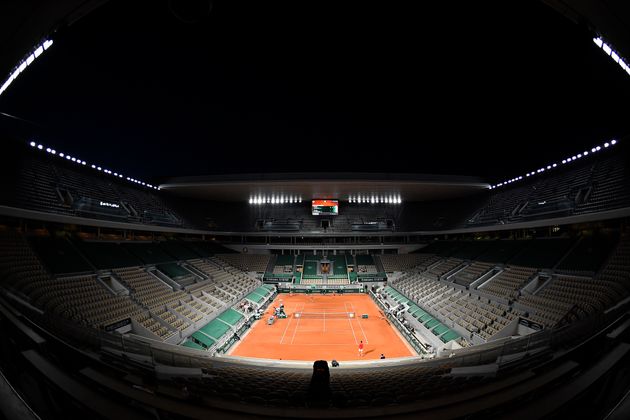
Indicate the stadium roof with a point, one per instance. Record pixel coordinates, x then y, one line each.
246 87
342 186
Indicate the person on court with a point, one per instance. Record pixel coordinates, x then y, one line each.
361 348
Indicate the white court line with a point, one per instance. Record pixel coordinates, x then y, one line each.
297 324
359 320
288 323
351 327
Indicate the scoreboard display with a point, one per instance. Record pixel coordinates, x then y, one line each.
325 207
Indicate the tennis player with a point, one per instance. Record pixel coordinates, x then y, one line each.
361 348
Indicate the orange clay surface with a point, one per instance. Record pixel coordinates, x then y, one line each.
324 338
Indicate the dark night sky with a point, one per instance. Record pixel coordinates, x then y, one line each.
490 89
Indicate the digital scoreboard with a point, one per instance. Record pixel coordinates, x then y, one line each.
325 207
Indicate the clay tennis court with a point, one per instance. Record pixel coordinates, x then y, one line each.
324 331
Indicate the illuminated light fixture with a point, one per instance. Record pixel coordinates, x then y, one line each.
26 61
73 159
40 147
585 153
68 157
598 148
612 53
615 57
548 166
606 144
48 149
554 165
251 201
527 174
33 144
613 142
53 151
300 199
564 161
61 154
98 168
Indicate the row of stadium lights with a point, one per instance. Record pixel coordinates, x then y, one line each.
554 165
376 200
27 61
612 53
84 163
275 200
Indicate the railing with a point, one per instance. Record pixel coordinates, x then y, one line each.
411 339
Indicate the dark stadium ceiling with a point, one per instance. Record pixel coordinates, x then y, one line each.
161 88
332 186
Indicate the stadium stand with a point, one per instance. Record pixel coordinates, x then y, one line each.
247 262
591 186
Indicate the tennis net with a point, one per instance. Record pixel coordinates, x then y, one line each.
324 315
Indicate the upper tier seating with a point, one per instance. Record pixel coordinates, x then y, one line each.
593 185
247 262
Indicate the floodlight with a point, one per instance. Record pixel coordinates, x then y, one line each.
613 142
53 151
61 154
47 43
606 48
73 159
40 147
598 148
98 168
84 163
598 42
554 165
22 66
30 59
585 153
548 166
38 51
606 144
614 56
